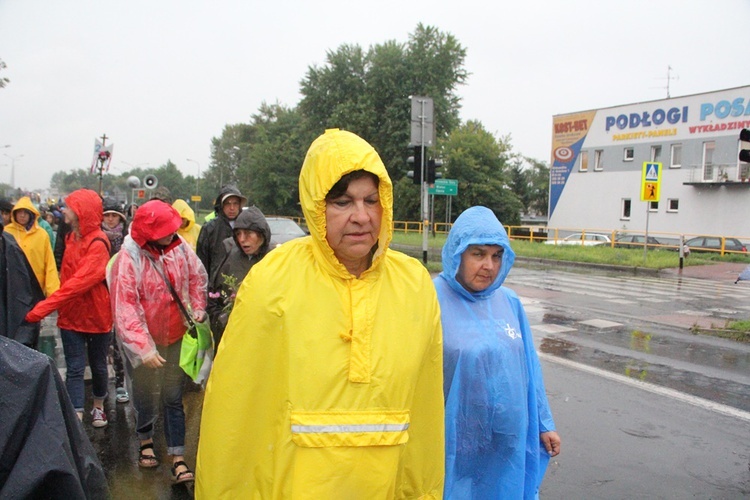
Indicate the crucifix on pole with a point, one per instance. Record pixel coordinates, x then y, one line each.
103 156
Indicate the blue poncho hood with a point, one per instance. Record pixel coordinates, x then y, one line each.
475 226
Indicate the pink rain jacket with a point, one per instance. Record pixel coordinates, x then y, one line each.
147 315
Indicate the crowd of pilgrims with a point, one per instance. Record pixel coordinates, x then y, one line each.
346 392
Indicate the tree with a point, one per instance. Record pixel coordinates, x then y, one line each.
270 171
368 93
478 161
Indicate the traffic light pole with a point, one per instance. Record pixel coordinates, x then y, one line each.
424 198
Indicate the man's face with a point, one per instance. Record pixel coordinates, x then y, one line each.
22 217
6 216
231 207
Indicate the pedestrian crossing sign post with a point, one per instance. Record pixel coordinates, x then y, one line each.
651 181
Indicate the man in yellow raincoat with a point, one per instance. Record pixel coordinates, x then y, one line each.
328 380
35 243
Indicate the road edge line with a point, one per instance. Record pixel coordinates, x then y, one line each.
652 388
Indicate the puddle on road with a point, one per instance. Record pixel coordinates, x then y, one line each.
714 389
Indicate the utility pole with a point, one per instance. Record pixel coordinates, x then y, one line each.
423 135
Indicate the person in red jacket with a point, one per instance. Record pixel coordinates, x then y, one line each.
84 313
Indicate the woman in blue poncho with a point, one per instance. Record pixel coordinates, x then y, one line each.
499 433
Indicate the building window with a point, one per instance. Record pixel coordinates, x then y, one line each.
676 156
583 161
656 153
628 154
625 209
598 165
653 206
673 205
708 160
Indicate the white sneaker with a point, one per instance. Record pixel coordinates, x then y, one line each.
122 395
99 418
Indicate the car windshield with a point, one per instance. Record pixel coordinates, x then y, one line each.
285 226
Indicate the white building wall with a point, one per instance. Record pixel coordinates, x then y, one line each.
593 199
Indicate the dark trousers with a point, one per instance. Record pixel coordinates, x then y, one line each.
153 389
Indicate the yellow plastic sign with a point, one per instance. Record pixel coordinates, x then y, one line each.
651 181
195 197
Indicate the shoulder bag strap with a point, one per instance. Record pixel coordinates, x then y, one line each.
176 297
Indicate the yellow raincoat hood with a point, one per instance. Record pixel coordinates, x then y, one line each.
326 385
190 232
332 156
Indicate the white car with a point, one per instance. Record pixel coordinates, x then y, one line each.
582 239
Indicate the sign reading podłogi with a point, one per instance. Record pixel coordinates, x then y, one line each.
446 187
651 181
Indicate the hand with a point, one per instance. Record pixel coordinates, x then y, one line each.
31 317
199 316
551 442
155 361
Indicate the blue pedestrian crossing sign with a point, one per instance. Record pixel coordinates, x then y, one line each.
651 181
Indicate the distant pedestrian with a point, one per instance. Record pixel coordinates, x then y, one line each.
19 292
35 243
227 207
6 207
189 230
84 313
153 270
115 226
247 246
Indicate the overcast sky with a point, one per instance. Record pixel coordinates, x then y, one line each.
161 78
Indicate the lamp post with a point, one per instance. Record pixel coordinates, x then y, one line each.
13 169
197 183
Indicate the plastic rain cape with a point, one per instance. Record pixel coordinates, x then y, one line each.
495 401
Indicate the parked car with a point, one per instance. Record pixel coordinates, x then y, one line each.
636 241
713 244
283 230
582 239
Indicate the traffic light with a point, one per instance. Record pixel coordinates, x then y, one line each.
431 173
415 163
745 145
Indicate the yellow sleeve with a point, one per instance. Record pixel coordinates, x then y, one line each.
246 389
426 448
51 278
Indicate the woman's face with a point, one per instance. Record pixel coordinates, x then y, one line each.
165 240
70 217
111 220
480 265
250 241
353 224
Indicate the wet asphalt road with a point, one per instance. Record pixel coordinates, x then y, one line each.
618 441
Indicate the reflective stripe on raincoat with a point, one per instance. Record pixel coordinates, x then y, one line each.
496 405
327 385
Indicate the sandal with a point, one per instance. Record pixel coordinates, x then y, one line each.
179 477
147 461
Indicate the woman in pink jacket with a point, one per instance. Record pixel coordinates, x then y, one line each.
150 325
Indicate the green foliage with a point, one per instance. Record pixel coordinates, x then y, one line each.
479 162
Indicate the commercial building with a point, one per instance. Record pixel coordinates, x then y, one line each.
598 156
